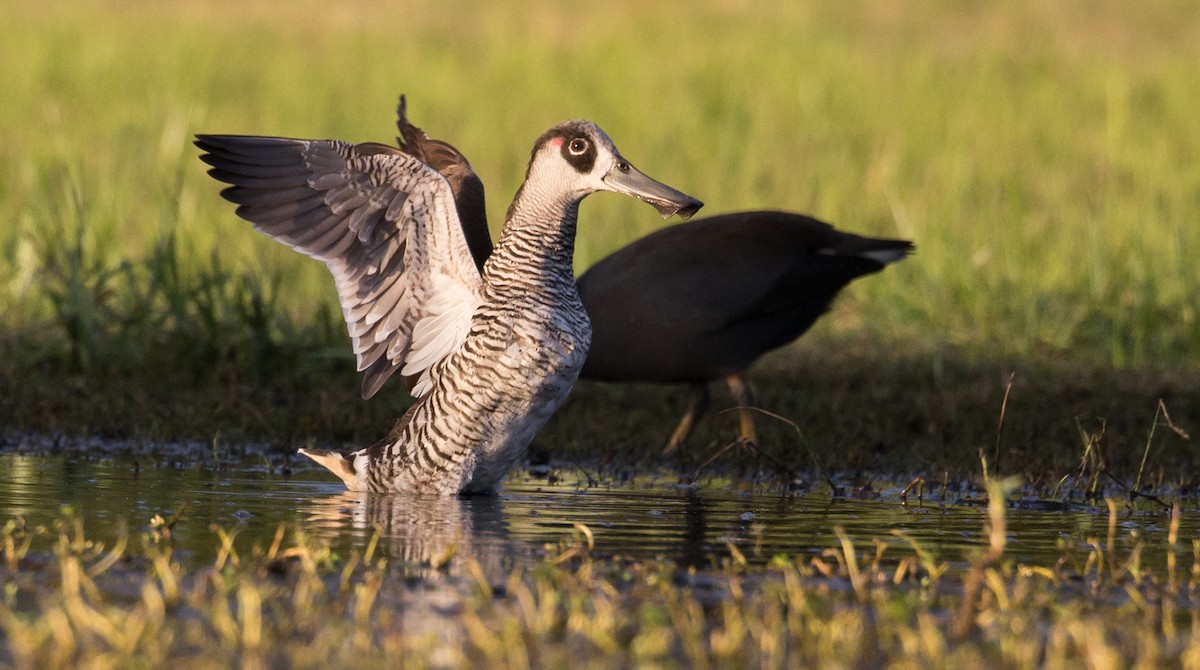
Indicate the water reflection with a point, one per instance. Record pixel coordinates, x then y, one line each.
642 519
433 531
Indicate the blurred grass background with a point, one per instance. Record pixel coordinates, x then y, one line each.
1041 155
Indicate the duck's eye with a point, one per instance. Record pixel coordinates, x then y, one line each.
577 146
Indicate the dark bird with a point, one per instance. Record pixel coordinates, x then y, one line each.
701 301
696 302
493 354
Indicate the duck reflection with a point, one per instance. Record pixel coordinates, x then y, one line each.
425 534
434 542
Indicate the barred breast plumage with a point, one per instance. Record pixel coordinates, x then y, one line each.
493 355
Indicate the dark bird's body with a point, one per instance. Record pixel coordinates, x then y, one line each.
703 300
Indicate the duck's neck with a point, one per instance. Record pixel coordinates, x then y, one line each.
538 240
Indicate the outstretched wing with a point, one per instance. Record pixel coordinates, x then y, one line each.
464 183
386 226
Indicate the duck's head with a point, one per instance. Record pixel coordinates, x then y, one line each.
578 158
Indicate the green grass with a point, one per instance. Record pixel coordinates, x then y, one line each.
1041 157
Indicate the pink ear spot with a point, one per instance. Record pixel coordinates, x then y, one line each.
556 142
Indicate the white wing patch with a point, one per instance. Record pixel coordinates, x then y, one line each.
445 325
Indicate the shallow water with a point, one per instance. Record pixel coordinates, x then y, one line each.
643 518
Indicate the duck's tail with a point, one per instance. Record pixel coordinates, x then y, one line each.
337 464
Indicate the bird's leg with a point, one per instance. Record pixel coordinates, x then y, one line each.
697 403
741 395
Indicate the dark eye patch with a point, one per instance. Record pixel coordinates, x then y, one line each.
580 152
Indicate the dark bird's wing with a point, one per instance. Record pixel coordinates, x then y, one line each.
464 183
385 225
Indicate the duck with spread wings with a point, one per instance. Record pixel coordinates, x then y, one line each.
492 354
